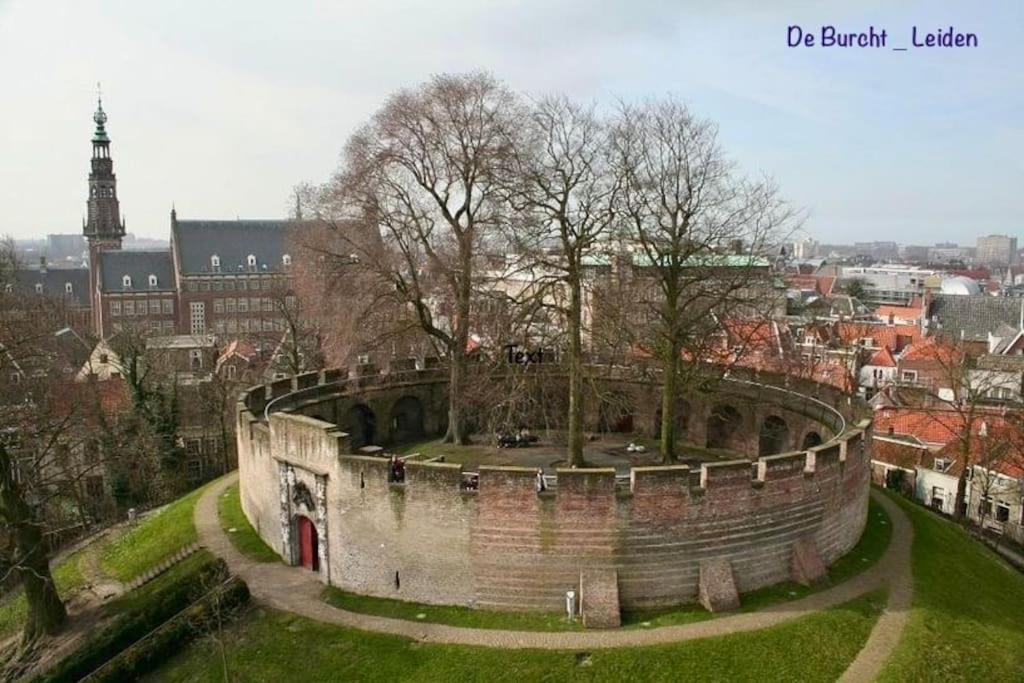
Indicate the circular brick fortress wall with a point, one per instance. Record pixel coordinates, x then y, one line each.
505 545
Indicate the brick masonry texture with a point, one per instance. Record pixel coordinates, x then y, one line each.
505 545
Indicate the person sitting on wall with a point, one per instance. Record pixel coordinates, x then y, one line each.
399 470
541 486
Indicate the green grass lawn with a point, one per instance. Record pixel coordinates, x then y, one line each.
244 537
967 621
66 574
869 549
266 645
158 536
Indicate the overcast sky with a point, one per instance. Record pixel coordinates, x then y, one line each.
222 107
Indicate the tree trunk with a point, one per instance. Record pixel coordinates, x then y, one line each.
46 612
670 365
456 432
575 437
960 503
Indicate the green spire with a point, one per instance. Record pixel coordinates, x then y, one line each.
100 117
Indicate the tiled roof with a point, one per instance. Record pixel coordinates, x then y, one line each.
54 282
973 317
894 337
883 358
138 265
932 349
899 453
937 427
232 242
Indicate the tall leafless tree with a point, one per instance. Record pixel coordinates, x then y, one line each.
700 232
418 200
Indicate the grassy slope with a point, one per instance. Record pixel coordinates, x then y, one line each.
244 538
68 577
967 621
274 646
159 535
869 549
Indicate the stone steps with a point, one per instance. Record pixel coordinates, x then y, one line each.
169 562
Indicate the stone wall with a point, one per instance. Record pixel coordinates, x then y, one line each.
508 546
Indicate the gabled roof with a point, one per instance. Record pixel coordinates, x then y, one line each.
232 242
905 453
932 349
973 316
883 358
138 265
54 282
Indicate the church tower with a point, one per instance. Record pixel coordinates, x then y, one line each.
104 226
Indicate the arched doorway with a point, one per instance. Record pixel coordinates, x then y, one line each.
811 440
309 543
722 424
407 419
361 425
774 436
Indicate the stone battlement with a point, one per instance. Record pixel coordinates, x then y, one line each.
490 538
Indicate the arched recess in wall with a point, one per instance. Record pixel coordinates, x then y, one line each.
683 411
723 423
406 419
811 439
774 436
615 413
361 424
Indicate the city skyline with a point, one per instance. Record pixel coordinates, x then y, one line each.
222 118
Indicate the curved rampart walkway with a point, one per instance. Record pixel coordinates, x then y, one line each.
286 588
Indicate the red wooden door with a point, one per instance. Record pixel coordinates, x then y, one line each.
307 544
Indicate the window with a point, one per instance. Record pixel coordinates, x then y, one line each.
268 306
215 262
243 305
154 306
250 260
266 284
195 359
126 281
290 302
192 447
68 289
152 280
104 358
115 308
194 470
168 305
232 325
229 285
167 326
230 371
910 375
218 326
129 308
229 305
218 285
192 286
254 305
218 305
242 285
940 464
1002 512
39 288
197 317
204 286
243 325
286 260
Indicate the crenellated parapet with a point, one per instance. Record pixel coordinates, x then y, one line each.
495 537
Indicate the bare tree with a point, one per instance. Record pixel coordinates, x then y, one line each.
419 198
700 235
564 198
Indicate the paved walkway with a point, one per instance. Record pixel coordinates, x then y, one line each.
285 588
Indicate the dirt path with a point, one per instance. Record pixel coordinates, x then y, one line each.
288 589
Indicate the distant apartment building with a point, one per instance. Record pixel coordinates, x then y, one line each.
950 252
883 251
895 285
805 249
997 250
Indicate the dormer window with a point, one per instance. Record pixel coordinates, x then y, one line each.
286 259
251 261
215 262
39 288
152 280
126 281
68 289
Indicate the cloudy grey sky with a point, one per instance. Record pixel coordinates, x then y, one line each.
222 107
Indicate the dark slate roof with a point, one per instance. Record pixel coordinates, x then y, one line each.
114 265
973 316
232 242
55 280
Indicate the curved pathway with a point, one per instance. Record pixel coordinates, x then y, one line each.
281 587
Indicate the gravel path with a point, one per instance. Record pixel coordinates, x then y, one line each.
288 589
